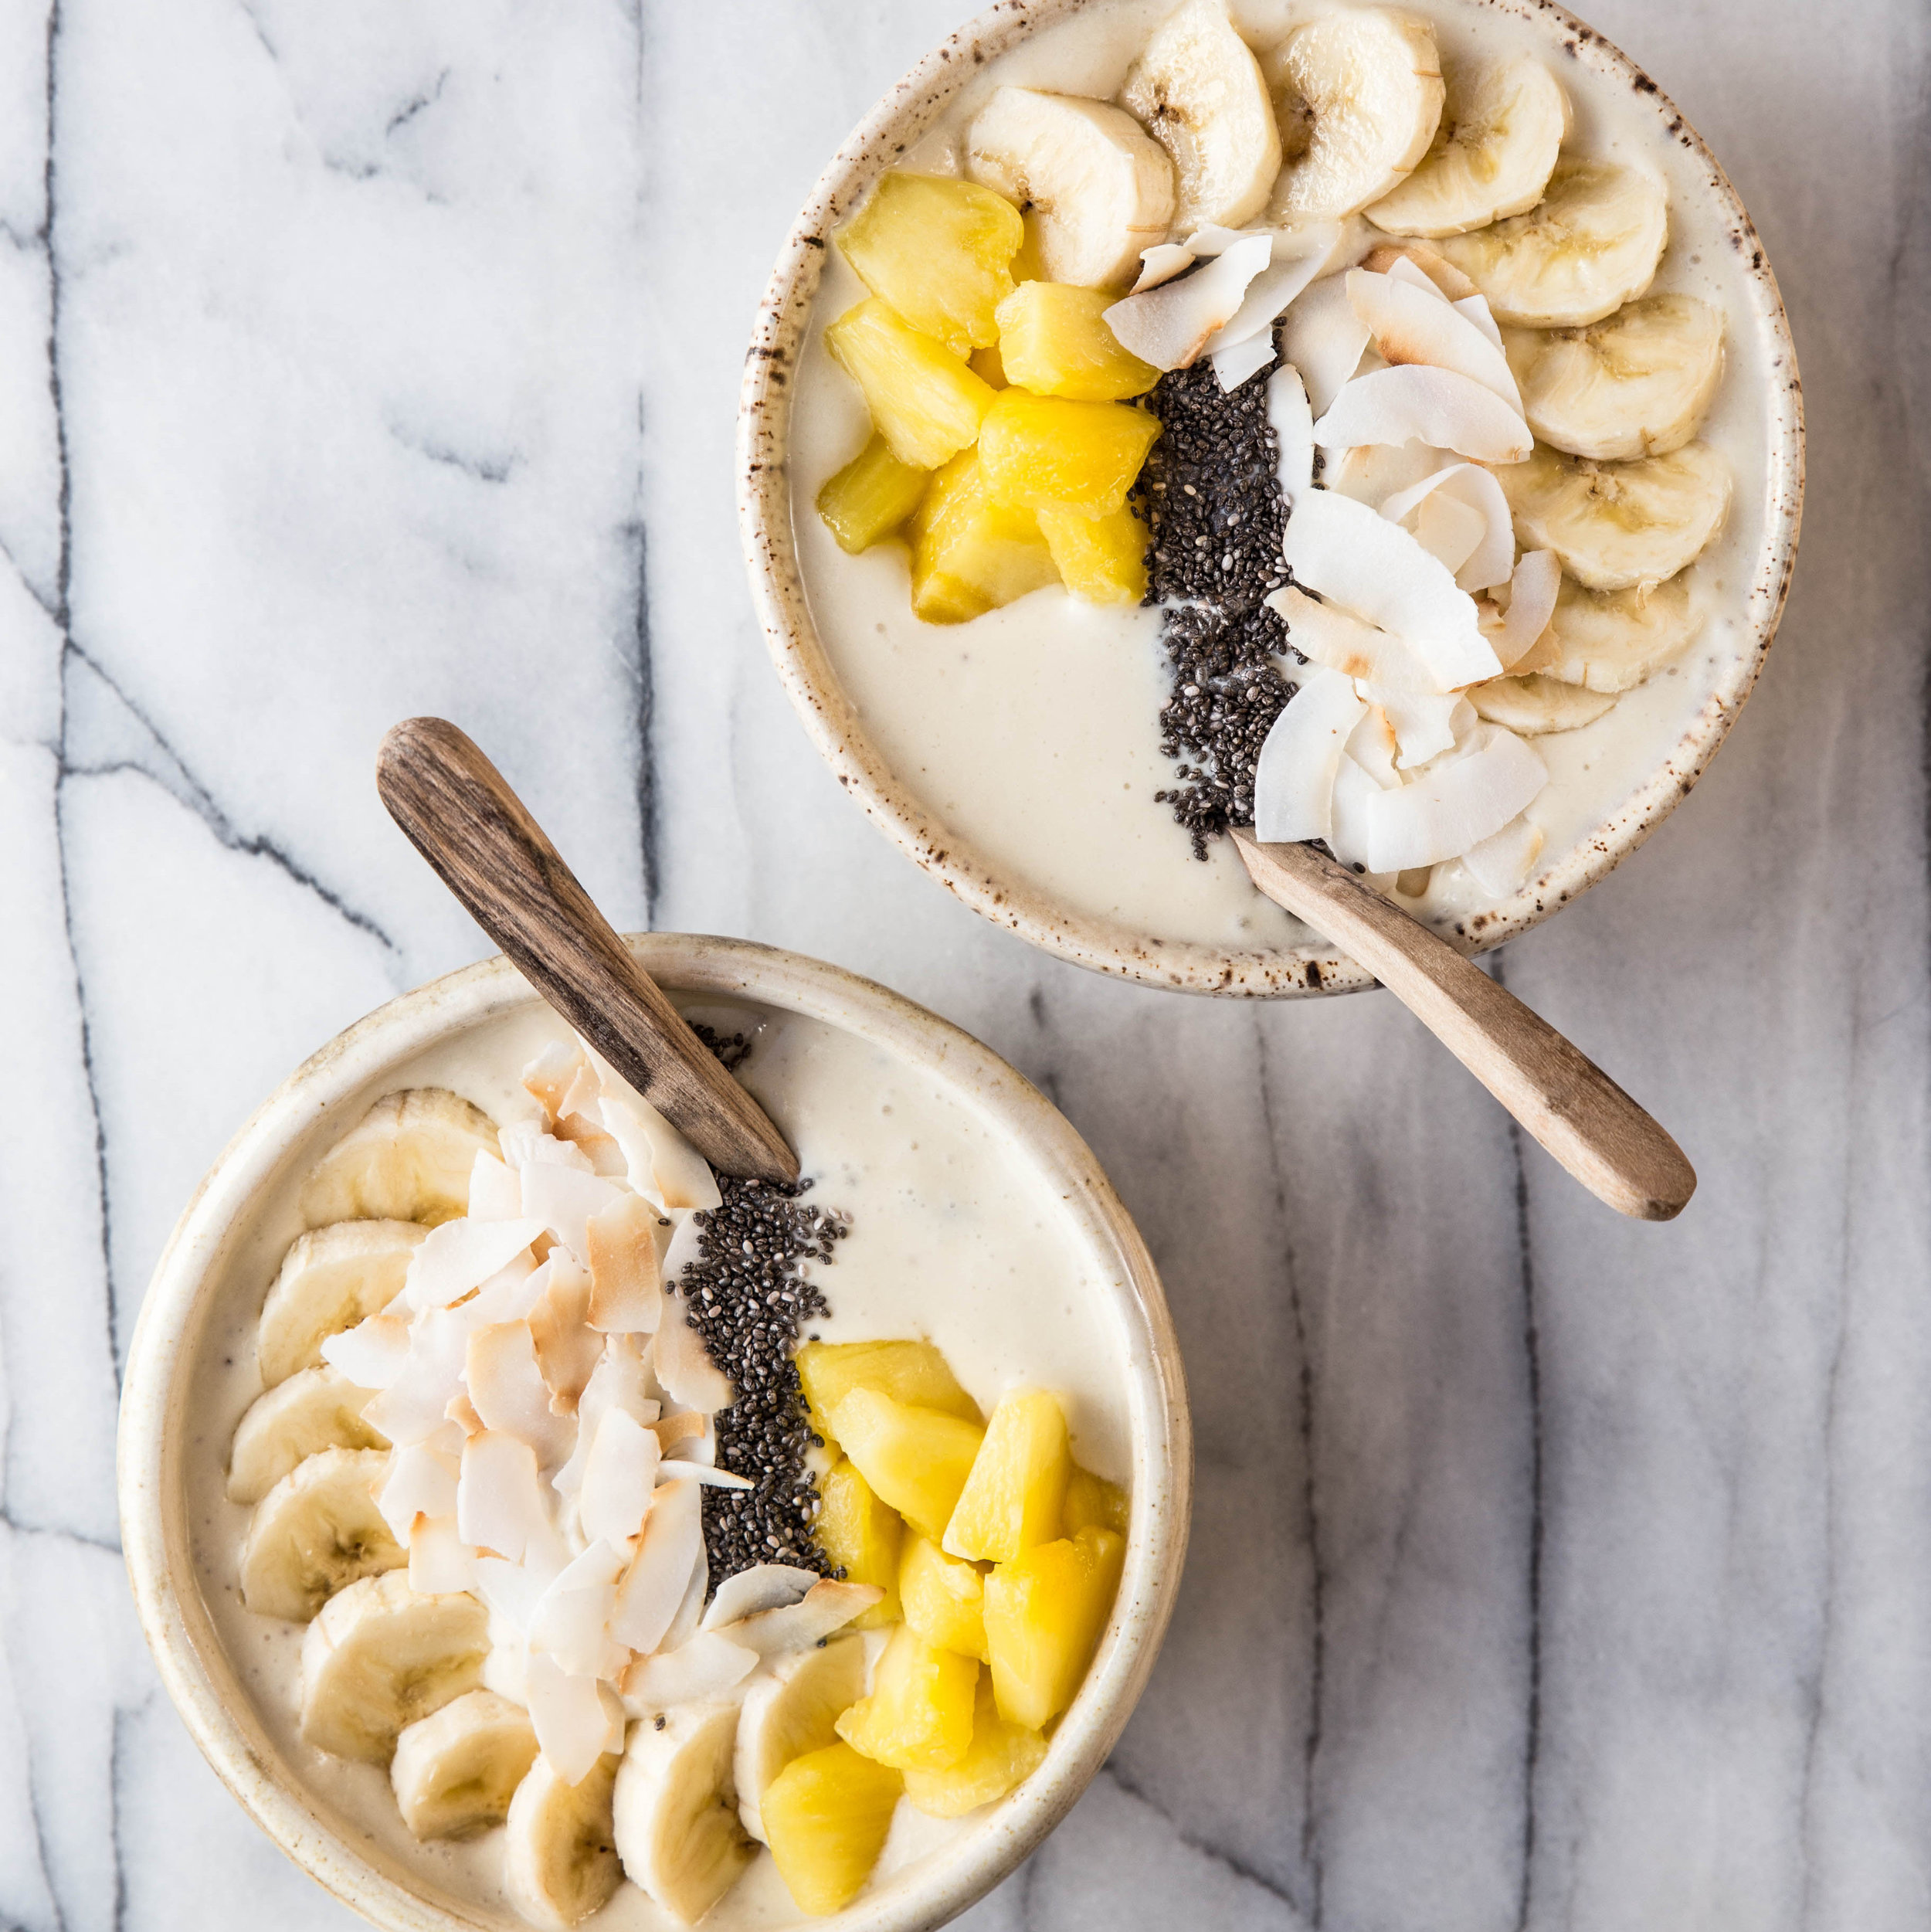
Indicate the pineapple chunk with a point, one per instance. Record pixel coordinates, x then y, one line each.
1046 450
1054 340
1091 1500
916 1459
972 553
1102 559
913 1372
939 250
925 402
861 1537
871 497
1000 1756
1044 1612
826 1817
1013 1497
944 1598
919 1715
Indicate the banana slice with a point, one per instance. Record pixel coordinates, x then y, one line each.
1359 95
1098 188
677 1830
790 1709
318 1409
316 1530
1533 704
1198 88
1590 245
379 1657
1618 524
1502 126
407 1159
1638 383
1612 640
331 1278
455 1771
560 1856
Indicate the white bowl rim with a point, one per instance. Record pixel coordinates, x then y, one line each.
764 522
155 1538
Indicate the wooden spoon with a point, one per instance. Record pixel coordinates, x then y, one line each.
1601 1135
459 813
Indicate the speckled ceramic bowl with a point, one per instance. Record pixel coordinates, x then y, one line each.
219 1261
1586 61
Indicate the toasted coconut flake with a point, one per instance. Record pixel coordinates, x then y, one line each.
439 1562
495 1193
563 1198
1356 558
415 1404
1532 590
508 1391
1161 263
601 1150
620 1472
1501 863
1355 791
460 1255
462 1411
547 1078
1296 257
1292 422
509 1294
684 1366
1242 362
1425 724
621 1380
574 1727
662 1164
421 1481
683 1431
512 1592
765 1586
1474 309
827 1606
1490 550
371 1354
1169 326
1402 270
700 1671
567 1623
1325 634
1428 262
1417 403
499 1502
626 1292
524 1141
568 1348
1455 804
1373 472
1324 338
705 1472
652 1589
1294 776
687 1239
683 1625
1416 325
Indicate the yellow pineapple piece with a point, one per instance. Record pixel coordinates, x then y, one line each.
988 363
1048 449
1000 1756
939 249
1101 560
1012 1499
925 402
919 1715
1044 1612
916 1459
826 1817
944 1598
913 1372
868 499
972 553
859 1534
1091 1500
1054 340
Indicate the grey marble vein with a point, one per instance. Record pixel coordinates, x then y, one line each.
1547 1571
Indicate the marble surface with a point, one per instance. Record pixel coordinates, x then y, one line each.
379 357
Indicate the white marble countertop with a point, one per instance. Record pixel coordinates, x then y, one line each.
381 358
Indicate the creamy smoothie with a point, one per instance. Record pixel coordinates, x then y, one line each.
951 1238
1033 731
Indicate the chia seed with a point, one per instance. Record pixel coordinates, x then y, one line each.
1211 493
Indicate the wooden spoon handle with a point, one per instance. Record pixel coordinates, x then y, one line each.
1562 1097
459 813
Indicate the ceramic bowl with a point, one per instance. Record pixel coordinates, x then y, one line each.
1757 589
224 1252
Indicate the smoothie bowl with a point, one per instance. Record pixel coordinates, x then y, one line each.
1376 424
533 1527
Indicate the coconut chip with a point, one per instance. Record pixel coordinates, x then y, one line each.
457 1258
707 1473
1294 777
626 1290
439 1562
653 1590
567 1623
574 1726
765 1586
1324 338
1417 402
1161 263
1532 590
828 1606
508 1392
495 1193
421 1481
1171 325
1416 325
620 1472
700 1671
1292 420
371 1354
662 1163
416 1403
1466 797
1325 634
684 1366
499 1502
1486 557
